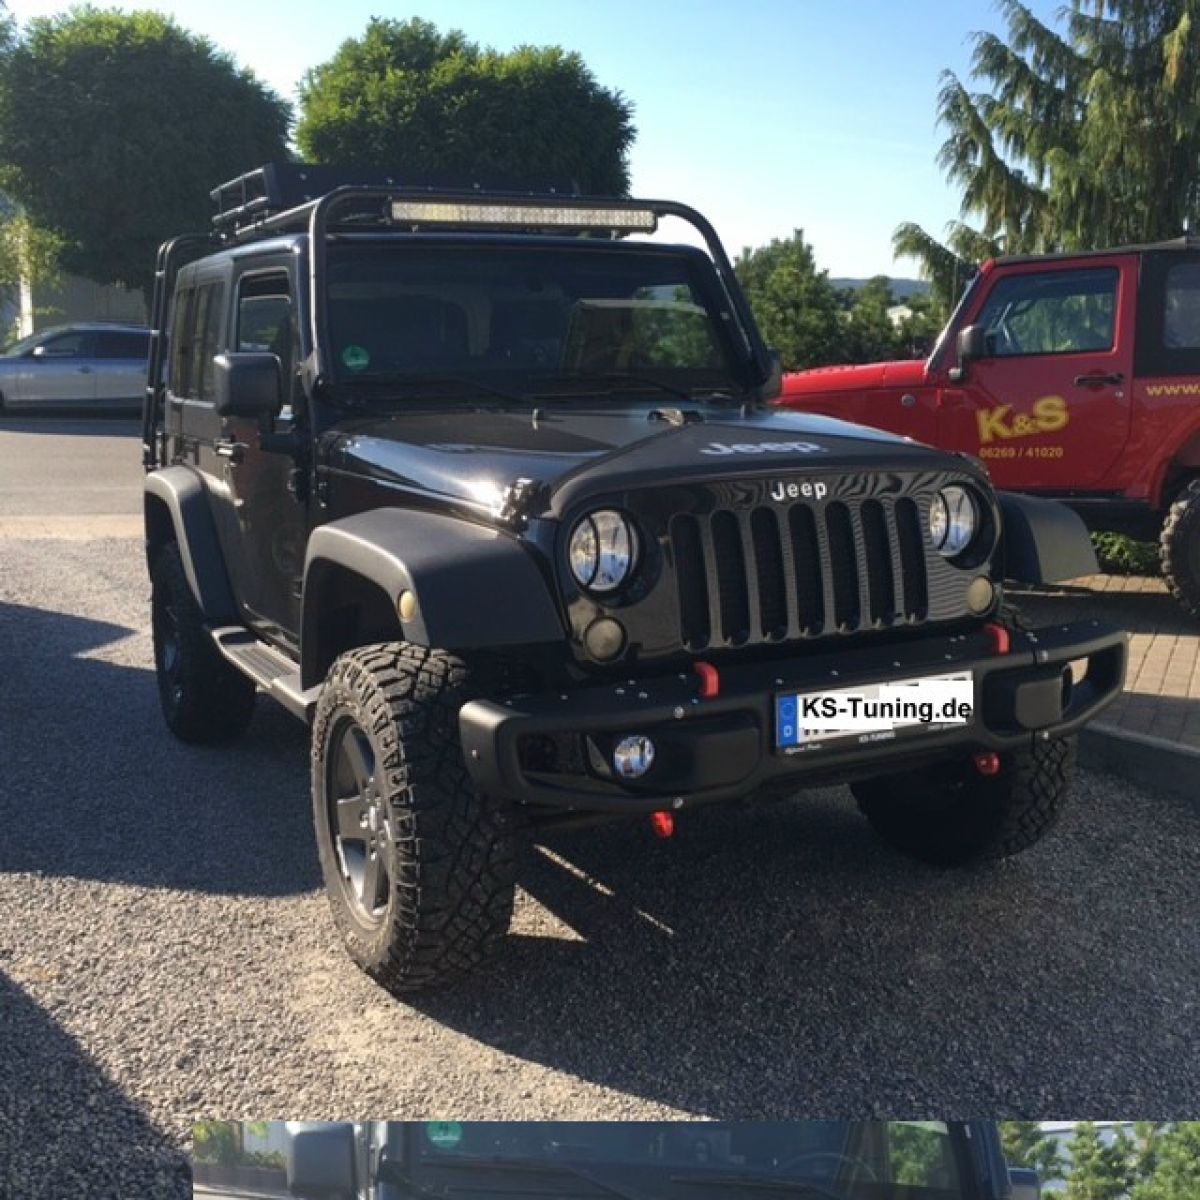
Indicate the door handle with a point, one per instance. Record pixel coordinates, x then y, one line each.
228 448
1099 380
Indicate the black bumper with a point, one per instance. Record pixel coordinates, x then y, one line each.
724 748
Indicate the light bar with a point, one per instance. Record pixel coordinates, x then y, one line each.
434 212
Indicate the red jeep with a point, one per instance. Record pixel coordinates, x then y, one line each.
1071 376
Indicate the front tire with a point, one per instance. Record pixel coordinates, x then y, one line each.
950 815
420 868
1179 549
204 698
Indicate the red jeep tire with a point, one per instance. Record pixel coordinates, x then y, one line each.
1179 548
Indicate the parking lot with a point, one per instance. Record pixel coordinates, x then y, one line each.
166 951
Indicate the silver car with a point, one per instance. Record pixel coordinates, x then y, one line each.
76 366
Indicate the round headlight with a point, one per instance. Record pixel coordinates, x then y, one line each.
602 550
953 520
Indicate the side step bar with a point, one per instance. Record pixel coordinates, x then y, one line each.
271 669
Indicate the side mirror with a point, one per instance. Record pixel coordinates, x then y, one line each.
38 352
248 385
972 344
773 384
320 1160
1024 1184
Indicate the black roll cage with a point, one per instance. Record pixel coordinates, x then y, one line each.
328 214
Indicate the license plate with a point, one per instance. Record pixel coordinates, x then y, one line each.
873 712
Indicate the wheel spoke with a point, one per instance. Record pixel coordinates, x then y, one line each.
352 819
373 876
358 754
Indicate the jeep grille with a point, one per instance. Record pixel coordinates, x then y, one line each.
770 574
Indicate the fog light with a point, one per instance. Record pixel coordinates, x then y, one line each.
980 594
633 756
604 639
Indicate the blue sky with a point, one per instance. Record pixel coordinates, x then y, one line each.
768 115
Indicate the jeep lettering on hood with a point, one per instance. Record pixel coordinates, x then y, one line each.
576 453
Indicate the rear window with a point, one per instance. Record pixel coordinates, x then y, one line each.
1181 310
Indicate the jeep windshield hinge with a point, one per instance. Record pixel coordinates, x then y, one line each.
518 501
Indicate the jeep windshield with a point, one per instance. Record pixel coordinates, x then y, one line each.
828 1160
512 320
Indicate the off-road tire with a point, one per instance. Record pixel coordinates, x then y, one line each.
449 851
1179 548
951 815
204 698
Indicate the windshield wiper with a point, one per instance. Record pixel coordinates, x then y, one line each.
618 377
763 1182
535 1166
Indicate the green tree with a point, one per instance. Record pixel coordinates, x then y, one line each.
869 332
1081 136
795 305
114 127
1025 1145
1175 1168
404 95
1100 1171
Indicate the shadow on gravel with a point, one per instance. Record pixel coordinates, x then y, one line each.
781 962
65 1128
94 787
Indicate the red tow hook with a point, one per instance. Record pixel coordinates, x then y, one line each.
710 680
1001 638
987 762
663 824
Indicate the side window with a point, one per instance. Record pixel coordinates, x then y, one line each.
210 340
264 317
204 340
67 345
1051 312
1181 307
181 340
123 345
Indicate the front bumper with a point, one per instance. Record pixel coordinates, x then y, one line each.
723 748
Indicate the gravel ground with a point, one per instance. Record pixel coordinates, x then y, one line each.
166 951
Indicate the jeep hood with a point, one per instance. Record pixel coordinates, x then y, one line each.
471 457
822 380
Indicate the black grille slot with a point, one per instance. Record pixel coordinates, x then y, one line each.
843 563
693 584
912 558
771 572
768 562
806 563
880 584
731 577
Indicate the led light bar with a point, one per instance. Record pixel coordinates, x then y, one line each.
436 212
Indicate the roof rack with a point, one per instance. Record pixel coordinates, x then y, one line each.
260 202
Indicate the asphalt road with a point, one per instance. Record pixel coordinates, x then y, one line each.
166 951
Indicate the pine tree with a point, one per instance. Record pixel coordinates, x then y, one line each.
1082 136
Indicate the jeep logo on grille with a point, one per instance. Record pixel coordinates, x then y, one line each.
763 448
781 491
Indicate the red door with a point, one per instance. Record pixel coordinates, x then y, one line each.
1047 407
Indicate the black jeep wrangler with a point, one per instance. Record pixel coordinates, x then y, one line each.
485 485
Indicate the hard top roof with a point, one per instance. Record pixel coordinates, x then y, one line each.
1177 245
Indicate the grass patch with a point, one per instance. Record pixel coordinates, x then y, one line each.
1121 555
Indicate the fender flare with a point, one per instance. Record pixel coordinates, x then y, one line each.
1042 541
182 494
474 587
